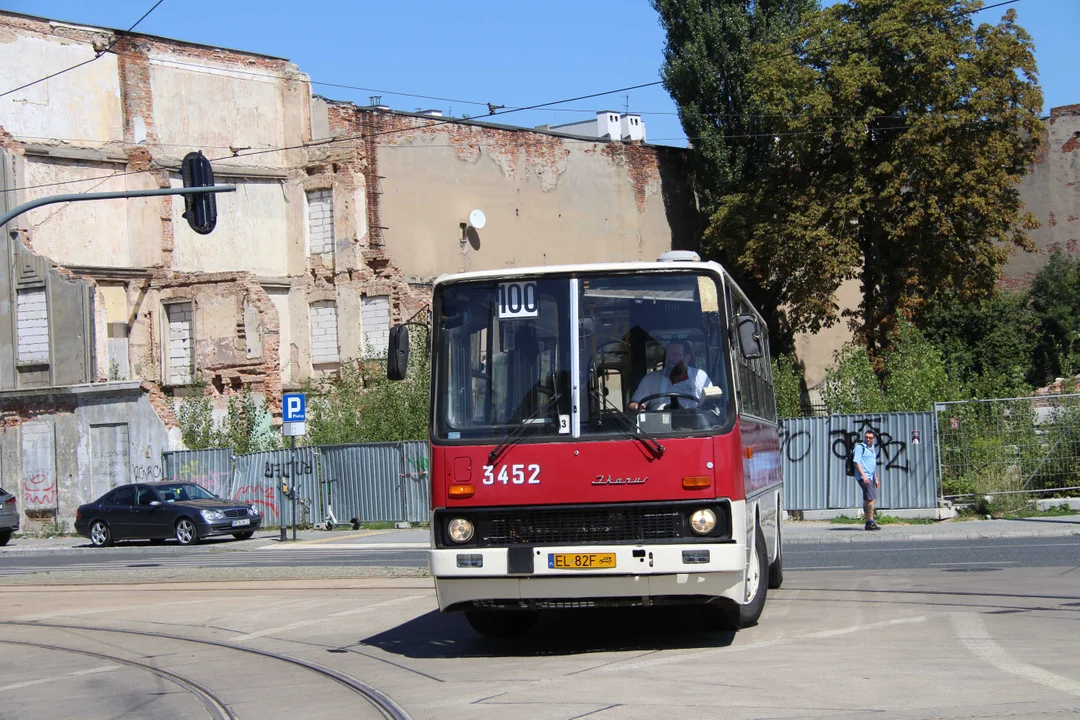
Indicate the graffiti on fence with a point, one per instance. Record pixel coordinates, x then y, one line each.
263 497
292 468
892 453
795 446
39 490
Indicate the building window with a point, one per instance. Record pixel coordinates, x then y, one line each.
181 344
320 221
33 326
324 336
375 316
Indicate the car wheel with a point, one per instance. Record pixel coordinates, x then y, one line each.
100 534
186 532
5 536
244 535
725 617
501 623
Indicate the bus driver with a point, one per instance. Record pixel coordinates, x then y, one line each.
676 376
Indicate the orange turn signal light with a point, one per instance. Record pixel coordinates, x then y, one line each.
696 483
748 452
461 491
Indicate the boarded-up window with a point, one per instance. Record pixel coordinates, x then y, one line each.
324 335
33 314
321 221
181 343
375 316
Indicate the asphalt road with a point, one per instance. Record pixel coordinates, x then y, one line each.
950 555
917 644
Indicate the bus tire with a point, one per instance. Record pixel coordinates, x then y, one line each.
722 617
776 568
501 623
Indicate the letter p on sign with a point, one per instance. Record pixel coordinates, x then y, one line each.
294 407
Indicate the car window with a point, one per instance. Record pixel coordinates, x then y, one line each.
124 496
145 496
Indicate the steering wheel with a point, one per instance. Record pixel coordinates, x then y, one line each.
673 394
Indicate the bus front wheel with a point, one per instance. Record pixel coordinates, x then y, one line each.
501 623
721 617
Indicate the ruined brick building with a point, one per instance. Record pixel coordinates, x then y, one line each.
342 218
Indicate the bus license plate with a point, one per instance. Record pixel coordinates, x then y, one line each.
240 523
581 561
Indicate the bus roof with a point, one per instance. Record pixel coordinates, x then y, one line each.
579 268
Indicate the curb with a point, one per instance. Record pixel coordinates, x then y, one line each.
827 538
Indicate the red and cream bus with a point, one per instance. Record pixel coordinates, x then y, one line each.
601 435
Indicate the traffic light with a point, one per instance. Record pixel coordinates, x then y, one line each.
199 209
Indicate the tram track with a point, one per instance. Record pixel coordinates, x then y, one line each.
385 705
215 706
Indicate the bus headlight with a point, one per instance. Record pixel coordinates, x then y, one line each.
460 529
703 521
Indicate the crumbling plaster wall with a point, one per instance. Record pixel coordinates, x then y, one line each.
548 199
53 457
1051 192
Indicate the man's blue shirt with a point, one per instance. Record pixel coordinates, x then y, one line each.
866 458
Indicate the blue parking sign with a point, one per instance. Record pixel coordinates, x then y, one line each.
293 407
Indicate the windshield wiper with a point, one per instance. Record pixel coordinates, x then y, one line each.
518 433
630 428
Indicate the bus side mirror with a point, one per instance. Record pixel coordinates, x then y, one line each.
749 337
397 355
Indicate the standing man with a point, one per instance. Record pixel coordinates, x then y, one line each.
865 467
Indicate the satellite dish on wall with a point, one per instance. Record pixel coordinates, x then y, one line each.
477 219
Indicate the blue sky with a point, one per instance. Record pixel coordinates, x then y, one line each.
499 51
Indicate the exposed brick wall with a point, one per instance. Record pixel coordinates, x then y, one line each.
33 326
320 221
181 343
375 322
324 332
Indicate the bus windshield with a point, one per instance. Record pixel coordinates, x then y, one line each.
650 357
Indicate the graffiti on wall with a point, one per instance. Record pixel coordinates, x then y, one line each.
145 473
39 490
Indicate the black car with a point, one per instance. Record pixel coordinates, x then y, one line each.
156 511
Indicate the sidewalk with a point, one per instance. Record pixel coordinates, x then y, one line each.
822 531
795 532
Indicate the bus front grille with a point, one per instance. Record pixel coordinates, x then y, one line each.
577 527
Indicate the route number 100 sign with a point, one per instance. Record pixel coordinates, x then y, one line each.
517 300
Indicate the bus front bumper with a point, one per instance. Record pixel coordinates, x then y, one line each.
641 575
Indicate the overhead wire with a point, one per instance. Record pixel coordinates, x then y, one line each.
505 111
97 56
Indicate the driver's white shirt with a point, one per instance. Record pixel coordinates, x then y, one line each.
659 381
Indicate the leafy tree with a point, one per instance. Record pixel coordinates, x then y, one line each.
706 59
246 427
787 383
1055 300
196 419
851 386
706 62
900 132
361 405
989 343
915 375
